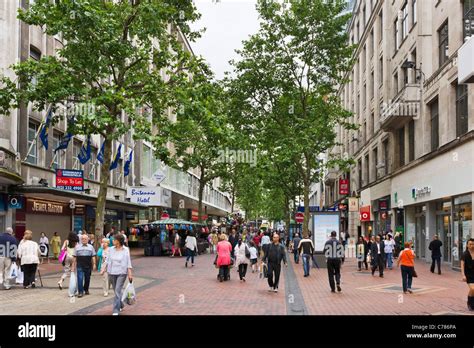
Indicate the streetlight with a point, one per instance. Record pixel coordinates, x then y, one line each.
419 77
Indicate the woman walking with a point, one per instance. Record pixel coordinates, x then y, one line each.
176 244
389 248
68 245
119 266
224 250
191 248
102 254
361 252
253 256
467 270
56 245
241 260
29 253
44 247
406 261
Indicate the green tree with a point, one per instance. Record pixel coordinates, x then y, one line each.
288 75
119 56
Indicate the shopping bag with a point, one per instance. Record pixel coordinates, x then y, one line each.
129 296
19 276
62 256
13 271
43 250
72 284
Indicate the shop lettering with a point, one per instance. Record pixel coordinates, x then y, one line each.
136 192
419 192
43 207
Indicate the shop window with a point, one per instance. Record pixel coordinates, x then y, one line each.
434 110
461 109
443 40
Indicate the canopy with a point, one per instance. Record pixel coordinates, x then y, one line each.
171 222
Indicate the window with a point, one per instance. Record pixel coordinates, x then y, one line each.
411 140
413 12
363 17
372 44
413 71
364 94
76 148
434 110
59 157
381 71
364 58
461 110
404 20
468 18
35 54
395 34
401 146
359 166
364 133
405 76
367 173
372 124
443 39
372 85
380 25
357 32
385 155
32 143
93 167
375 161
395 84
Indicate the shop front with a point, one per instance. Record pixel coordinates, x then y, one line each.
382 215
112 218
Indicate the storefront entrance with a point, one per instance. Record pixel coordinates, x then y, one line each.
443 228
462 226
420 234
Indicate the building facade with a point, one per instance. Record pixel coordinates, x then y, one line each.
414 148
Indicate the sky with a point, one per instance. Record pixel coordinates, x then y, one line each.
228 22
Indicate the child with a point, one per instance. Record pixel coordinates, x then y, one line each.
253 256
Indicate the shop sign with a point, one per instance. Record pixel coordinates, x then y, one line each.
15 202
46 207
353 204
343 186
383 204
365 213
195 216
417 192
148 195
70 180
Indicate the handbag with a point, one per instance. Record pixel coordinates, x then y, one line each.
62 255
414 274
247 252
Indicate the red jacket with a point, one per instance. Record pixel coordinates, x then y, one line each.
256 240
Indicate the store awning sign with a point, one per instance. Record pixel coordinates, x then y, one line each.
70 180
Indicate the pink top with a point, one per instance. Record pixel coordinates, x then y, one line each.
224 248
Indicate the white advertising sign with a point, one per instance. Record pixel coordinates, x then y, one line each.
158 176
323 225
145 195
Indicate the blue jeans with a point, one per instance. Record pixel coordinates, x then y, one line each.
117 281
297 256
306 263
407 277
190 255
389 259
83 279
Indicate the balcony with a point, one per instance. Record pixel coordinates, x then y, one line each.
9 167
405 107
330 176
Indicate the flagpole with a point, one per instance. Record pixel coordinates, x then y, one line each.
34 142
54 157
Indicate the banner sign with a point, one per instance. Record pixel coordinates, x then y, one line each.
70 180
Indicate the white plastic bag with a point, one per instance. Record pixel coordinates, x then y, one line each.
13 272
129 296
19 277
72 284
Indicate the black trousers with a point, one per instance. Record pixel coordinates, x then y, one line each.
436 260
29 273
379 263
334 271
359 263
224 272
274 269
242 270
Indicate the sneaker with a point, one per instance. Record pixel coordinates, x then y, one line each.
270 289
80 295
339 288
87 293
381 276
275 290
409 290
33 285
332 290
115 314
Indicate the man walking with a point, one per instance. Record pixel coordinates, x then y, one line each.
274 254
435 247
233 240
8 247
296 244
306 248
334 252
84 262
377 252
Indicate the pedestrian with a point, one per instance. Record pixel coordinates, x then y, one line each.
125 238
467 270
69 245
389 247
176 244
103 254
274 254
241 260
406 261
110 236
282 237
119 266
8 250
265 241
223 259
233 241
398 243
91 239
29 254
56 245
334 252
435 247
377 253
306 249
296 243
84 263
361 252
44 247
191 248
253 256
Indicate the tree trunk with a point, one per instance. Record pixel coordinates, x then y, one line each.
101 198
287 214
202 184
233 197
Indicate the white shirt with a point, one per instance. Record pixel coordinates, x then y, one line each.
389 245
253 253
28 252
44 240
191 243
265 240
378 248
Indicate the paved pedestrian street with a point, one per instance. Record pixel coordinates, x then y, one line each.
166 287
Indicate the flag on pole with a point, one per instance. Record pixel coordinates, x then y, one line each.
44 130
100 156
114 164
126 168
64 142
85 152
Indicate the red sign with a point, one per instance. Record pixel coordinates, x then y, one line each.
299 217
70 180
365 213
383 216
165 215
342 206
195 216
343 186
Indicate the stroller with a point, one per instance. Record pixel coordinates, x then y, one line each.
228 272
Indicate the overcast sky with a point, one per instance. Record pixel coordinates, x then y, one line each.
227 23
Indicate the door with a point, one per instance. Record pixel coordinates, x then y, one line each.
421 236
443 226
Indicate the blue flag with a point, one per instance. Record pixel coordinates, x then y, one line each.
114 164
126 168
85 152
64 142
100 155
44 130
